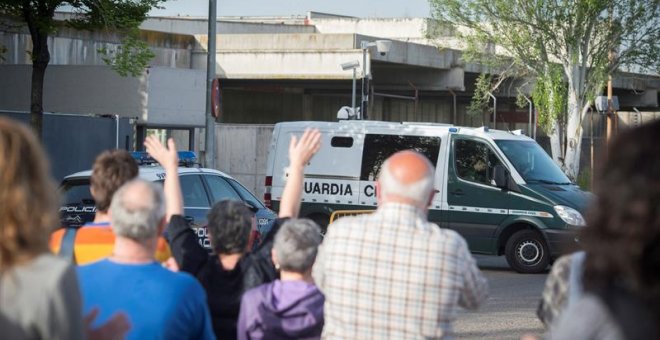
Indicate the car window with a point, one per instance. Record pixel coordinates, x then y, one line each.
76 192
220 189
194 194
246 194
474 161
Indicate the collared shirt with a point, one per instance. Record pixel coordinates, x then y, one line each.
393 274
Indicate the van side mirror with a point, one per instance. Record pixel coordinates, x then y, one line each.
503 179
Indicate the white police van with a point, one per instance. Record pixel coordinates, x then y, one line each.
500 190
200 187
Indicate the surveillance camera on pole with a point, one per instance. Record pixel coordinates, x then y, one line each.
350 65
383 47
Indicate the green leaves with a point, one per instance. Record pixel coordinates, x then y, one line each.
129 58
550 97
564 44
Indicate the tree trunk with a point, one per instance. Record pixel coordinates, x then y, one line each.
574 133
40 60
36 96
555 143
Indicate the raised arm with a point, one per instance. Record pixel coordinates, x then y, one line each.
300 153
183 242
169 160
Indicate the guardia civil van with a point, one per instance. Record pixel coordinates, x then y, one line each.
500 190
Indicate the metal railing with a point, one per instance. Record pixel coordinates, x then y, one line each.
341 213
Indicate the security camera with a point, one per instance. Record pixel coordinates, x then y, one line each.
383 46
350 65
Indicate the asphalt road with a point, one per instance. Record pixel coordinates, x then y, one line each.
511 308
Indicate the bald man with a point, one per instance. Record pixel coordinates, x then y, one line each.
393 274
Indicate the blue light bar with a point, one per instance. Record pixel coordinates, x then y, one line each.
453 129
186 158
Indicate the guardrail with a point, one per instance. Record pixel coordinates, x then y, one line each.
341 213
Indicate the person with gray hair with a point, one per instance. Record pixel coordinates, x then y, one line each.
393 274
232 268
291 307
159 303
138 211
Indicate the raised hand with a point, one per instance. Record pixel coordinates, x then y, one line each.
301 151
166 156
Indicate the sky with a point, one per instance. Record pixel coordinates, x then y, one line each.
356 8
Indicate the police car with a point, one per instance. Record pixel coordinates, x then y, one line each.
201 188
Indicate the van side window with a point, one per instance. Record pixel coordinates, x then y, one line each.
341 142
377 148
474 161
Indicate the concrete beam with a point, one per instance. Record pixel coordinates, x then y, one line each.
281 65
400 78
401 52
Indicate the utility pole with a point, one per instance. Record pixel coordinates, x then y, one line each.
611 116
209 154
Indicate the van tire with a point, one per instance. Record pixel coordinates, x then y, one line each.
322 221
526 252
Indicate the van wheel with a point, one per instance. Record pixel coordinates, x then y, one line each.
322 220
526 252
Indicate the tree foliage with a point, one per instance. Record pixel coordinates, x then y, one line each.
561 41
116 16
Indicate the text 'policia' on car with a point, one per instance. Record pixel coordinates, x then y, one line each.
201 188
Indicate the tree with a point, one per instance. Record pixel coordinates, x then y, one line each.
565 45
122 16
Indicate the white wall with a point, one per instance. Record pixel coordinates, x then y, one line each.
161 96
176 96
242 151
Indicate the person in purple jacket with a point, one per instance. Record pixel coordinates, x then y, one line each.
291 307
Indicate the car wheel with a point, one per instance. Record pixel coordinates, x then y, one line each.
526 252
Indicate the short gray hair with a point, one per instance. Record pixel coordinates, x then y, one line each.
137 209
296 244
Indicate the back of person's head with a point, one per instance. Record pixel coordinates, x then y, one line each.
112 168
28 196
137 210
406 175
622 237
296 245
229 225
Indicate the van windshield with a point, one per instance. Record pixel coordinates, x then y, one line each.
532 162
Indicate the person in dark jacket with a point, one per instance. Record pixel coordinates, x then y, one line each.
232 269
291 307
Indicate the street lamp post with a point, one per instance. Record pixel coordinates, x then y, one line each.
209 152
351 65
383 47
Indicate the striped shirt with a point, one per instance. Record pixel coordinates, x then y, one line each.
95 241
393 274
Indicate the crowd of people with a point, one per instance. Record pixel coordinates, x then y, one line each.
389 274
